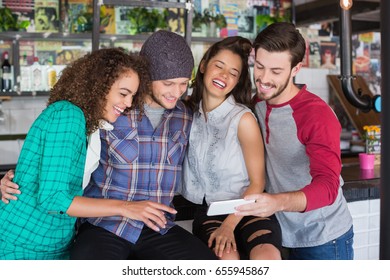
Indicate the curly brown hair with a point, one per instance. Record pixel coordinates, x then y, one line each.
87 81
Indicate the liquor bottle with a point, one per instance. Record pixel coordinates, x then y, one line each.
36 76
6 77
25 78
23 60
51 75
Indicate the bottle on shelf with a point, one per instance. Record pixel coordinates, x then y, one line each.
24 78
6 75
23 60
51 75
36 74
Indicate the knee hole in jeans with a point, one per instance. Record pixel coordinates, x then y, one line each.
254 220
258 234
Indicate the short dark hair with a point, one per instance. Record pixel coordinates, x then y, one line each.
280 37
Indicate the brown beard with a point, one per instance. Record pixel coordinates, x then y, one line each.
279 92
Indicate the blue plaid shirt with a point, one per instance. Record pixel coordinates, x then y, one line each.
139 162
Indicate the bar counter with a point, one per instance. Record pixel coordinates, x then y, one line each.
360 184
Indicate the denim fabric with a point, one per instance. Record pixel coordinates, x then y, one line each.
337 249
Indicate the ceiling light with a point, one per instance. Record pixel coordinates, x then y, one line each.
346 4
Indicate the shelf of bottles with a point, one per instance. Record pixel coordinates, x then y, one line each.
61 48
72 45
29 77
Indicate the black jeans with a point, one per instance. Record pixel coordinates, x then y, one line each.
96 243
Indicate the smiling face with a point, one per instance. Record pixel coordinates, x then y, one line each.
273 76
166 93
221 74
121 95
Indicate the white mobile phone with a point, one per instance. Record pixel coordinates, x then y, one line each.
226 206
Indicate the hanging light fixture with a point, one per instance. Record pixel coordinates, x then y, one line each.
361 101
346 4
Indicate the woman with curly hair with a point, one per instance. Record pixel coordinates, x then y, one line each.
92 92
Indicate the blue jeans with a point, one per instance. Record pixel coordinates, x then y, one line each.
336 249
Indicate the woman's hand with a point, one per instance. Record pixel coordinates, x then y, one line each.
224 240
149 212
8 188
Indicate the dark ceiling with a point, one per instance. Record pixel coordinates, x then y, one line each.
365 14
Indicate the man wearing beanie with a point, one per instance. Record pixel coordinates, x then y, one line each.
141 163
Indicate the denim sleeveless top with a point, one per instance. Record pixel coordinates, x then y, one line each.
214 167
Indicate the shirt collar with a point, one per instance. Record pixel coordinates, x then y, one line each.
103 124
222 110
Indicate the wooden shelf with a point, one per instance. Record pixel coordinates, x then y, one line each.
148 3
5 98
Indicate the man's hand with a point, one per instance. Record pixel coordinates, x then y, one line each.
265 205
8 188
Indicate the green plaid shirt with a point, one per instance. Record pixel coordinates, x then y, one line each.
49 173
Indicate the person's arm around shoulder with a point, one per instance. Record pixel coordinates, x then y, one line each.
8 188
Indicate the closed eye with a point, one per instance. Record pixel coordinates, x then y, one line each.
234 74
218 66
259 67
125 92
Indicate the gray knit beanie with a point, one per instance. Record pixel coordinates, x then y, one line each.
169 56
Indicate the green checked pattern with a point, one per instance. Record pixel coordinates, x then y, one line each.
49 172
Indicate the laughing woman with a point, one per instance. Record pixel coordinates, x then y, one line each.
225 157
92 92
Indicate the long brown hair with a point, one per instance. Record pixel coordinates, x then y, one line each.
242 91
87 81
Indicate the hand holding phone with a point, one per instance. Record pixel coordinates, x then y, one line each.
226 206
